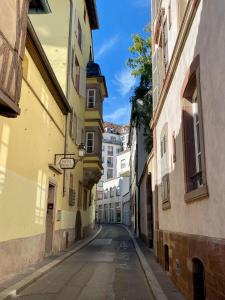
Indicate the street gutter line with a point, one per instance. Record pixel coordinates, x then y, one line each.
150 276
16 288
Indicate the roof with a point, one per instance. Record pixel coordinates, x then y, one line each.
92 13
118 129
94 70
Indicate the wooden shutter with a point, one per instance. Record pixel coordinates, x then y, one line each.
79 131
189 146
73 66
71 124
82 83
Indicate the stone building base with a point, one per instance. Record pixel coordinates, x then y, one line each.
183 250
16 255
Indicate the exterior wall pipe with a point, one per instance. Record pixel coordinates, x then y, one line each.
69 64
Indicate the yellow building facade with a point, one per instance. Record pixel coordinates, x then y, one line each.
43 208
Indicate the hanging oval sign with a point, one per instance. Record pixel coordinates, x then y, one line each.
67 163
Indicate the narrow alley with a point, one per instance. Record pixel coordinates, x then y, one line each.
103 270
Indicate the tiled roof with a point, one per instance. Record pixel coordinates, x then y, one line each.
119 129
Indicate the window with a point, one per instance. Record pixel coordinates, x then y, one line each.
103 159
110 162
109 173
100 184
118 150
90 142
99 195
195 175
106 194
110 150
164 167
79 35
76 72
111 192
113 139
91 96
118 191
103 148
123 163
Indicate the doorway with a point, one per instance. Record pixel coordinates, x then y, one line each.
78 227
198 280
150 226
49 229
166 258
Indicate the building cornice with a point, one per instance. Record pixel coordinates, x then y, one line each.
189 16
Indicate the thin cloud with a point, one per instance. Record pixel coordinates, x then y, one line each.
120 115
125 82
107 45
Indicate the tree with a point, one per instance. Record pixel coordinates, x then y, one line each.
140 64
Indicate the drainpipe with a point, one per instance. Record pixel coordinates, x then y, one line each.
69 64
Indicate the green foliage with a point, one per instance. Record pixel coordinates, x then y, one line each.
141 66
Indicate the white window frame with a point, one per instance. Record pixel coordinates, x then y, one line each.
88 98
93 142
196 125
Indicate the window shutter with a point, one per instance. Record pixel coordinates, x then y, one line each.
73 66
189 145
71 125
79 132
74 126
82 84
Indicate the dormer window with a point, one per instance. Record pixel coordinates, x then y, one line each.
91 98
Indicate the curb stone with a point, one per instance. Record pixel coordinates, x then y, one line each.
14 289
152 280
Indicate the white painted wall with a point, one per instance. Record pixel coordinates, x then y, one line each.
203 217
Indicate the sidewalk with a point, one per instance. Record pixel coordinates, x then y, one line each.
21 280
163 279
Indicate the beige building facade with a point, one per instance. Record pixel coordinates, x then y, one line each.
44 207
188 162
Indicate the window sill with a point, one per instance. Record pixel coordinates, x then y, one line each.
166 205
197 194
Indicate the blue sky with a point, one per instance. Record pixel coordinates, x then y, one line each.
118 19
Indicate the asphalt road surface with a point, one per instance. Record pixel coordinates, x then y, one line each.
108 268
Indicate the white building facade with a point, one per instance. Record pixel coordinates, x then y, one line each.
115 180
